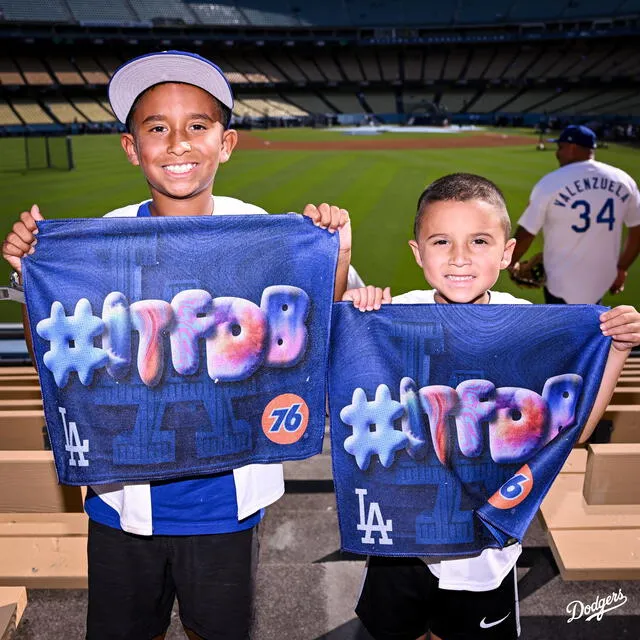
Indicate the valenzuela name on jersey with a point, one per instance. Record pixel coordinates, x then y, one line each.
591 183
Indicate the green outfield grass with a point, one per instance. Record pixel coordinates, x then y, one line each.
379 188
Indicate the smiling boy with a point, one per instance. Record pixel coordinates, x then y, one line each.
193 538
462 242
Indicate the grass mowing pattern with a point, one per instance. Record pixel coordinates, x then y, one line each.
379 188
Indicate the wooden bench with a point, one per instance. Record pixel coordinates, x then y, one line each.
43 529
626 421
13 602
599 539
22 430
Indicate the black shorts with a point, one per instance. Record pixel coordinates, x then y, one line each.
133 581
401 600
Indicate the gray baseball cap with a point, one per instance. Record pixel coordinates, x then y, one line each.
138 74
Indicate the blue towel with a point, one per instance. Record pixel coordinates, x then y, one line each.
170 347
450 422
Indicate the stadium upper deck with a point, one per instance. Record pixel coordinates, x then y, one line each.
475 59
328 13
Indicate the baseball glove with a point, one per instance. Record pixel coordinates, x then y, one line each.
530 273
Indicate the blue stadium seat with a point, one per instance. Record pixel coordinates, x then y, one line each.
172 10
112 12
220 14
42 11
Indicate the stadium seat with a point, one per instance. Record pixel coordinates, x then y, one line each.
434 65
390 65
308 103
344 102
34 71
381 102
7 115
287 66
413 65
112 12
328 66
64 112
455 64
31 112
43 11
92 110
209 13
351 68
275 15
479 62
369 62
91 71
170 10
492 100
456 100
9 73
65 72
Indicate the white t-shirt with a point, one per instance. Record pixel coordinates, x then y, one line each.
486 571
581 208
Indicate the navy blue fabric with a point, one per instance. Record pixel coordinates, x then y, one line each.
427 462
115 415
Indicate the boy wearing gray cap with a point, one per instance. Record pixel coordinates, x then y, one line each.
192 538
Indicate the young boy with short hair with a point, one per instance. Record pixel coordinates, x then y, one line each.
193 538
462 242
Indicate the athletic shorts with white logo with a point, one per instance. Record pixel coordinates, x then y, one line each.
401 600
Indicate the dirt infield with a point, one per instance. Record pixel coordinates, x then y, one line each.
379 143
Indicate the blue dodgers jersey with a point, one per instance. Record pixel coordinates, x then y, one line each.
450 422
196 506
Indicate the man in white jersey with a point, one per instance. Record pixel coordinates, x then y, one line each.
462 242
581 209
191 538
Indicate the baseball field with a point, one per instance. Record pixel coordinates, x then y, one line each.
377 178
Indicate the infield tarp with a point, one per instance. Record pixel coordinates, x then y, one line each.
450 422
169 347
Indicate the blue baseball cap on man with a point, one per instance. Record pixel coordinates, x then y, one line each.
139 74
578 134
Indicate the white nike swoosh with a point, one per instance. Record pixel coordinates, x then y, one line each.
488 625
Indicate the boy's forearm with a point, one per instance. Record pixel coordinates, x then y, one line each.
342 275
612 370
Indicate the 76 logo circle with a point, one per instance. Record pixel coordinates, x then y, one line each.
285 419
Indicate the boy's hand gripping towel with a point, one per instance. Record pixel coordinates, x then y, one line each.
450 422
169 347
